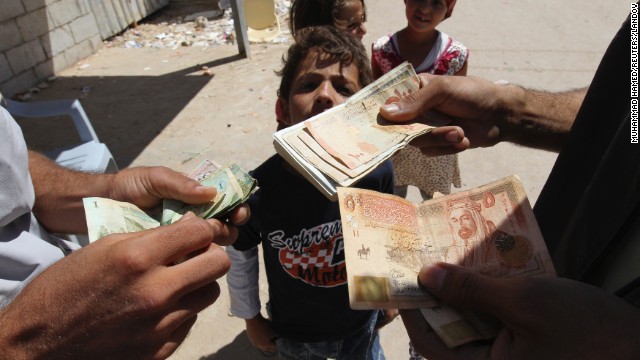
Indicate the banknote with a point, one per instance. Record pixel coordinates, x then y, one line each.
356 134
204 170
341 145
455 327
106 216
234 185
387 239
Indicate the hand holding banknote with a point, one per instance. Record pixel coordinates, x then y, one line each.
387 239
343 144
543 317
122 297
233 184
146 187
219 191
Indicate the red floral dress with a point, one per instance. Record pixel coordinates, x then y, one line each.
446 57
411 167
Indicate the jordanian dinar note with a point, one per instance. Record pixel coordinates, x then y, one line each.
456 328
387 239
356 134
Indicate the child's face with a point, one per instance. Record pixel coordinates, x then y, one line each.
320 83
350 19
425 15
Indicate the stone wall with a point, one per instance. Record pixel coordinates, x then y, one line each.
41 37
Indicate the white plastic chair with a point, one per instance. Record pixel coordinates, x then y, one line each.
262 23
90 155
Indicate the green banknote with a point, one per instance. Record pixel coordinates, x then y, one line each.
234 185
106 216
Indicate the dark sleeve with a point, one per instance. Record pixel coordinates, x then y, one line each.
248 237
388 180
375 67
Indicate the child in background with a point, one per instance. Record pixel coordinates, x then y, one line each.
429 51
299 228
346 15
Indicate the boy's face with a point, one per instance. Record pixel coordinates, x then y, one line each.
320 83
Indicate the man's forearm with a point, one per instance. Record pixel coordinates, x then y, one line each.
541 119
59 192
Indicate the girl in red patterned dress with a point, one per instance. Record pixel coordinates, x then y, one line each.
429 51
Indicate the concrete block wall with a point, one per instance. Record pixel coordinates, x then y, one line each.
39 38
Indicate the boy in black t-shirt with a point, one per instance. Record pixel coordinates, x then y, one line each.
299 228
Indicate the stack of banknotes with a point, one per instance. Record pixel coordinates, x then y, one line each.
234 185
341 145
387 239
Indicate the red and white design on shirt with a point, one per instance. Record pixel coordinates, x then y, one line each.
290 260
446 59
315 256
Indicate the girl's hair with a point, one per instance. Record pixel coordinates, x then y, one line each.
306 13
339 45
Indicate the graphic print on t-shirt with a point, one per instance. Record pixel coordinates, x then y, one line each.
315 256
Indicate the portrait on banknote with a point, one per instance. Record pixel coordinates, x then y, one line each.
388 239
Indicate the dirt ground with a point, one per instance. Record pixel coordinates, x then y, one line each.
158 105
133 94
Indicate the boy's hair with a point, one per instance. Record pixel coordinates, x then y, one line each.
339 45
307 13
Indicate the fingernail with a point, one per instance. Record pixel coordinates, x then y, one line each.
189 215
204 188
452 136
391 108
432 277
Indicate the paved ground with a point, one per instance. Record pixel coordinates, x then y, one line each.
154 107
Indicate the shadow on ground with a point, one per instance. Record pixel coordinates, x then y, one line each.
239 349
127 112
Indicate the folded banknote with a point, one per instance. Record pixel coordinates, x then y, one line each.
341 145
234 185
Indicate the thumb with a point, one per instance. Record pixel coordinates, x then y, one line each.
415 105
463 288
174 185
399 111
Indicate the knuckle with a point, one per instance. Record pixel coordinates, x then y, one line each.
159 171
518 299
200 230
220 262
154 298
132 258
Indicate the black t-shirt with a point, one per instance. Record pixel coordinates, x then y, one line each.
588 210
301 236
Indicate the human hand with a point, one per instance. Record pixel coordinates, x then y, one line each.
544 318
146 187
474 110
389 315
123 297
261 334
